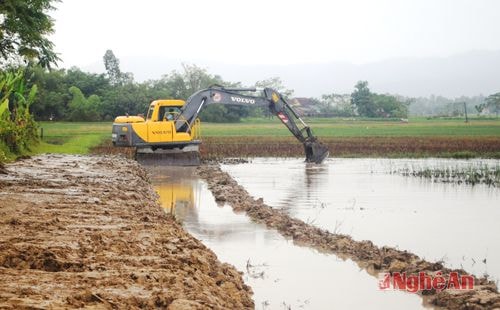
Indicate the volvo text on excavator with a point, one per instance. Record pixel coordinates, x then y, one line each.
170 133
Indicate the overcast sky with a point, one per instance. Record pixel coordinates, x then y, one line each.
273 32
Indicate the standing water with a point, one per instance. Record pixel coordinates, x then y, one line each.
281 274
453 223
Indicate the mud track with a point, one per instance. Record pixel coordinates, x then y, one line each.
367 255
79 231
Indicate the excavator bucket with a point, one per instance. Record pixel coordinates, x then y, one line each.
316 152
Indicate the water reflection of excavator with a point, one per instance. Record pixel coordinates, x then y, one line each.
171 130
175 195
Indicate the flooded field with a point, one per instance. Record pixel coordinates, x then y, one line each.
281 274
456 224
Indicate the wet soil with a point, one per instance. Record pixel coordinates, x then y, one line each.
2 169
87 231
216 148
368 256
107 148
221 147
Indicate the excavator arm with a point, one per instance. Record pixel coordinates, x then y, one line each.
274 101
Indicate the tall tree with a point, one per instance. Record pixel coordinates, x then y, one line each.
493 103
81 108
112 65
389 106
362 99
24 27
52 95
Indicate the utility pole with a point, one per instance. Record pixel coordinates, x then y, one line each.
465 109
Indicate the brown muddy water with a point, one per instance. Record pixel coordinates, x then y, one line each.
281 274
453 223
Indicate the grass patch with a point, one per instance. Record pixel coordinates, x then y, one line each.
464 155
339 127
470 175
71 138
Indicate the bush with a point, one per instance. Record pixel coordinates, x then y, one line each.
18 129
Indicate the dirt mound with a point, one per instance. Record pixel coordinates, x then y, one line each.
79 231
367 255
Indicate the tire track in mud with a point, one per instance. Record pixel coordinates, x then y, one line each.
87 231
368 256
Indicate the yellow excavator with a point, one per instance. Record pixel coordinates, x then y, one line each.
170 133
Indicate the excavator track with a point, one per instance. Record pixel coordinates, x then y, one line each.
188 156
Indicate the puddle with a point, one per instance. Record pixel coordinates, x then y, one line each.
282 275
359 197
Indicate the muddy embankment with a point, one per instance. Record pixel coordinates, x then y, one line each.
79 231
367 255
246 147
222 147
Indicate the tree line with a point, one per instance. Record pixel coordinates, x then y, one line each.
363 102
75 95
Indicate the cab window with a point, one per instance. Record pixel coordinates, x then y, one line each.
150 112
168 113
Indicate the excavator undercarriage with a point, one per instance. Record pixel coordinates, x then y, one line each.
187 156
